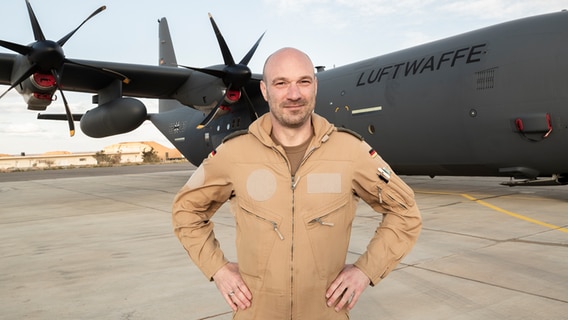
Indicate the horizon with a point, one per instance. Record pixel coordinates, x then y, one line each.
54 152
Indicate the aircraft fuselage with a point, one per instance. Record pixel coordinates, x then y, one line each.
491 102
488 102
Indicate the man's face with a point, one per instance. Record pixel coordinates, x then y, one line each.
290 88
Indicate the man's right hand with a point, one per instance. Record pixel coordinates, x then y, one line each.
231 285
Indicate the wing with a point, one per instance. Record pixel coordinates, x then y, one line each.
144 81
41 68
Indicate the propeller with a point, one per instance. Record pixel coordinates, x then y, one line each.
234 75
47 56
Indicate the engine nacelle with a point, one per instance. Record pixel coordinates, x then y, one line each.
38 91
201 92
115 117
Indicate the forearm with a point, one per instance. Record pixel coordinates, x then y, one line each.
392 241
194 229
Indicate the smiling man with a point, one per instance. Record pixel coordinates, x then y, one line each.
293 181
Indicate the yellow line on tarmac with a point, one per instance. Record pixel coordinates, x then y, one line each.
515 215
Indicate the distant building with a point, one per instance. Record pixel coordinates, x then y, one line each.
127 152
46 160
132 151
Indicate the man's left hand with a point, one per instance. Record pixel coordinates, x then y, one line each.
347 288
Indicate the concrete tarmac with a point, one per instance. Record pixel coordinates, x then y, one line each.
99 245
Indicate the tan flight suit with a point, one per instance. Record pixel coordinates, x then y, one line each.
293 231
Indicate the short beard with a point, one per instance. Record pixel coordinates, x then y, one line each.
293 121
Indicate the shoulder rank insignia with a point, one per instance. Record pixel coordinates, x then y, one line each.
234 134
351 132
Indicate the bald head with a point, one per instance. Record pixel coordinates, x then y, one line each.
285 57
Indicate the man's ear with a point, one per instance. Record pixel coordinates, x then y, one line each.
316 84
263 89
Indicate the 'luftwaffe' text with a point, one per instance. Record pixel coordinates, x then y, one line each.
432 63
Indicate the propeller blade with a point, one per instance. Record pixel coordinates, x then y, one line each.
234 76
63 40
23 50
213 113
67 110
248 56
23 77
227 56
250 106
38 34
48 55
210 116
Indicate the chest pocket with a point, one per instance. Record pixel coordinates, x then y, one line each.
328 231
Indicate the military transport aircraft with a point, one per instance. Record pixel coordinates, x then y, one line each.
491 102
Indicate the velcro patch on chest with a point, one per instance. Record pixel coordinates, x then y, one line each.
261 185
324 183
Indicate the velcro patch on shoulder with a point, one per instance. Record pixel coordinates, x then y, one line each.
351 132
235 134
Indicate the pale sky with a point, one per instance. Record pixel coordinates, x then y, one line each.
332 32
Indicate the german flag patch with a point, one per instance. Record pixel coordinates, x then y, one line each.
373 153
212 154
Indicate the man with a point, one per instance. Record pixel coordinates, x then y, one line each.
293 181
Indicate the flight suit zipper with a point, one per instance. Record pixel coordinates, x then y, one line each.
293 187
294 183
